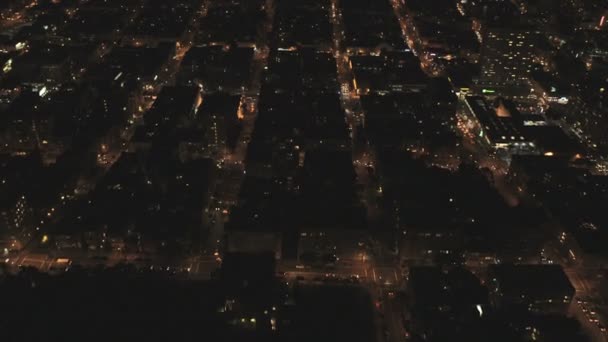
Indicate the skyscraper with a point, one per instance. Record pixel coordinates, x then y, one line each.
507 56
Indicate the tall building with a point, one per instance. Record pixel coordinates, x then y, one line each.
16 221
507 56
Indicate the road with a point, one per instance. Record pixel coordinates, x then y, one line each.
382 283
232 164
411 37
587 314
393 317
380 280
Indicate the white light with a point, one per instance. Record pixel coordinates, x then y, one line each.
8 66
479 310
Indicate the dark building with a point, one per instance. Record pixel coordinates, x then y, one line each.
445 302
540 288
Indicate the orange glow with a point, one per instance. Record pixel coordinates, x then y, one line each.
199 101
241 112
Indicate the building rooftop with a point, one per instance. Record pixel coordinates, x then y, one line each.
532 282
